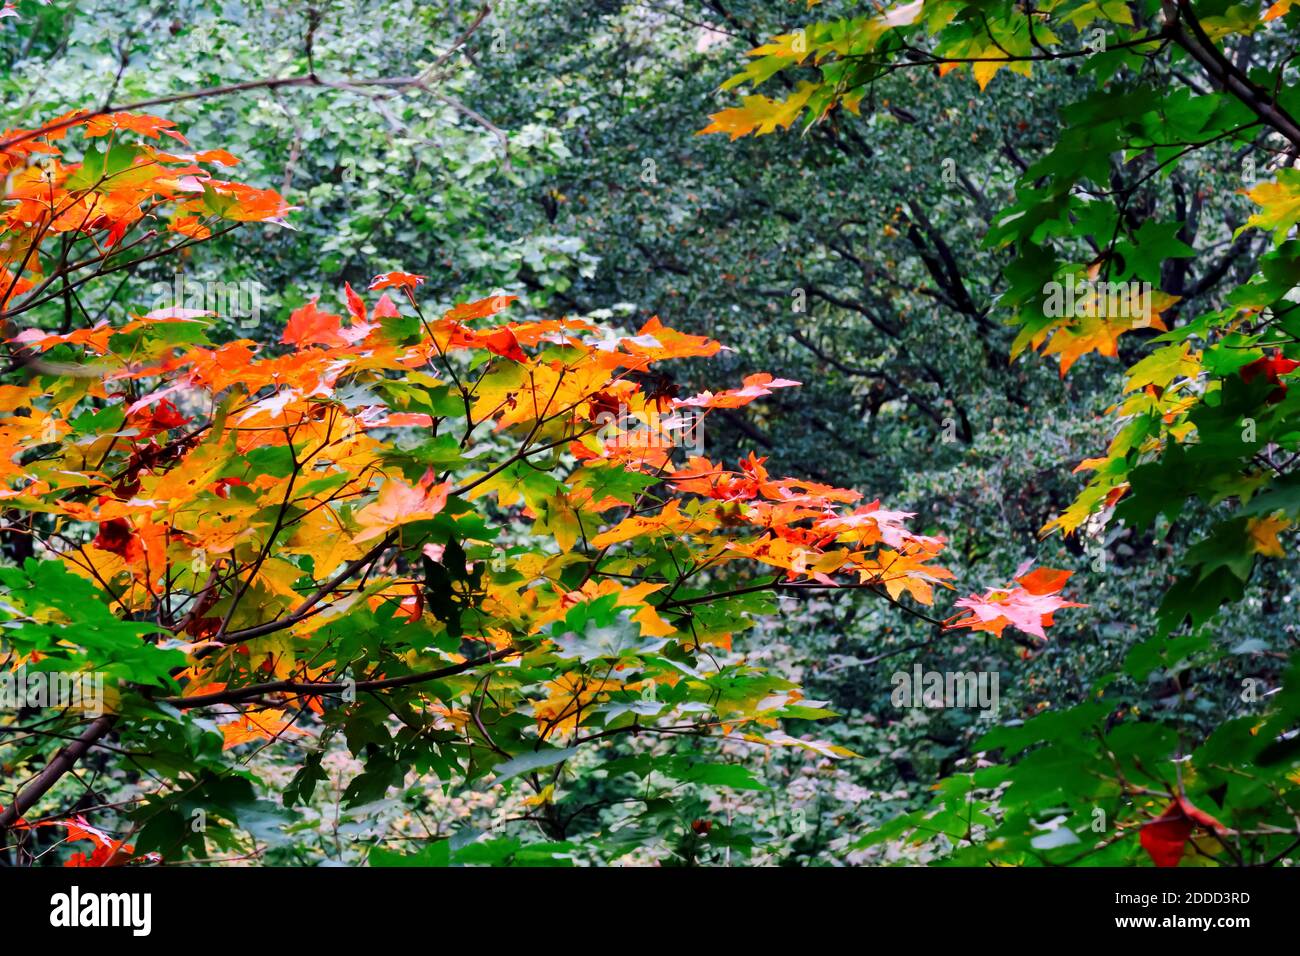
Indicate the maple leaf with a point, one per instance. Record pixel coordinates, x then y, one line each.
141 123
568 699
502 342
795 559
307 325
669 520
94 339
190 226
1272 368
1028 608
116 536
755 386
397 504
1162 367
1165 838
239 202
1043 580
396 280
907 571
482 309
872 523
356 307
656 342
256 725
760 114
221 487
987 54
107 852
161 416
1262 534
1100 334
215 156
1279 203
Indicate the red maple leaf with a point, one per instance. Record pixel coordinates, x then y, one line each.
503 342
158 417
1165 838
166 415
1272 368
117 537
356 308
396 280
308 325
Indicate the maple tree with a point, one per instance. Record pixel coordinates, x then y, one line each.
93 207
1206 421
427 535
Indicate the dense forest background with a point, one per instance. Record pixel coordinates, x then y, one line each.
558 159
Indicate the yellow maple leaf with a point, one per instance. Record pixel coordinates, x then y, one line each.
319 534
1100 333
989 57
907 571
669 521
1263 536
651 623
255 725
759 114
547 795
1279 203
558 516
1162 366
567 700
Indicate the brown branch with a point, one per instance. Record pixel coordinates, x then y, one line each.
238 694
60 764
1232 80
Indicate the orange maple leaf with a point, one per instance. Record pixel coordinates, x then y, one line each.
398 504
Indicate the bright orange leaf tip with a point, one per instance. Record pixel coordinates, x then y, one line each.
256 725
755 386
482 309
396 280
219 156
384 308
1279 9
141 123
107 852
308 325
398 504
1028 607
